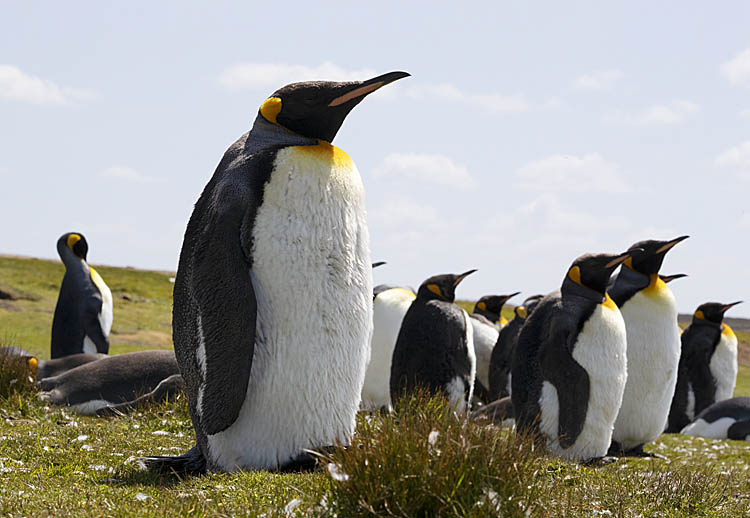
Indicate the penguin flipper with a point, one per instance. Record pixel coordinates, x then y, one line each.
92 327
739 431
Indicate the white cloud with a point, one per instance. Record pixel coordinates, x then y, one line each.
737 69
601 80
676 111
129 174
15 85
737 157
270 75
404 213
426 168
491 102
561 173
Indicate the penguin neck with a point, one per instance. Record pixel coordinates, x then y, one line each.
74 265
266 135
492 317
707 323
570 288
627 283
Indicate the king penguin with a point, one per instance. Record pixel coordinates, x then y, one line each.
435 350
708 365
728 419
83 314
486 325
502 353
569 369
650 314
273 294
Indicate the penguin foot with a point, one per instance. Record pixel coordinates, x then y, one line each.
191 462
637 452
599 461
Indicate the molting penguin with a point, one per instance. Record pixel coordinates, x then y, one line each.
83 315
569 368
435 350
502 354
272 298
650 314
113 380
708 365
728 419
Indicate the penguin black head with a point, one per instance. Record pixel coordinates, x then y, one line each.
712 311
493 303
593 270
75 242
441 287
317 109
649 261
530 303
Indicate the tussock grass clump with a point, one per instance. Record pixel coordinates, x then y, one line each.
16 373
427 461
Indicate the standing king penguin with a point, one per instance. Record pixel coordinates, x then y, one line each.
273 294
708 365
489 309
83 314
569 368
650 314
435 348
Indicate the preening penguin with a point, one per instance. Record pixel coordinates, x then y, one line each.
273 294
435 350
83 314
728 419
708 365
650 314
569 368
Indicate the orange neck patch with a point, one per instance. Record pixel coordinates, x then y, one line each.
328 152
608 302
655 287
727 331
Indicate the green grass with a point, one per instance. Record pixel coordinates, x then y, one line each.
56 463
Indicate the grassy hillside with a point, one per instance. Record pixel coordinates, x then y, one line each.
424 462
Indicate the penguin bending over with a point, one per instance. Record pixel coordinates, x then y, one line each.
83 314
110 381
727 419
708 365
435 350
272 298
650 314
569 368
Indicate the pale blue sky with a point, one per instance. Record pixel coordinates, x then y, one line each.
529 134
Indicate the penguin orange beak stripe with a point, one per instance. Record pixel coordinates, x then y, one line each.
670 244
726 307
368 87
462 277
622 257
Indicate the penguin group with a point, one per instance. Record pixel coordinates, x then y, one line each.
280 337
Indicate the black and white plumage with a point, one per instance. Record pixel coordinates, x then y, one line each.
708 365
569 367
272 298
434 350
650 314
502 355
727 419
83 314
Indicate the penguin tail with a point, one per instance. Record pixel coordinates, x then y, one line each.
191 462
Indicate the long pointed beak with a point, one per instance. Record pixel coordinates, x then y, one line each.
379 263
727 306
462 277
622 257
670 244
506 298
367 87
670 278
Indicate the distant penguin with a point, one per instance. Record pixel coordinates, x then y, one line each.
502 353
435 350
708 365
83 315
390 304
650 314
569 367
488 309
727 419
273 292
110 381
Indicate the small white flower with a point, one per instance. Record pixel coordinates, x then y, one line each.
82 438
337 473
160 432
87 447
141 497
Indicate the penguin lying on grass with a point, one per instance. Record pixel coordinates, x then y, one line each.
435 350
273 293
118 381
83 314
727 419
708 365
569 367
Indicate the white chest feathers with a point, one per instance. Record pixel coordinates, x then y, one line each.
653 357
312 278
485 338
601 350
389 309
456 388
105 315
723 364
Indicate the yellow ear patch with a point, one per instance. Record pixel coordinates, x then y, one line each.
434 288
270 109
699 314
72 240
482 306
521 311
575 274
608 302
726 330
